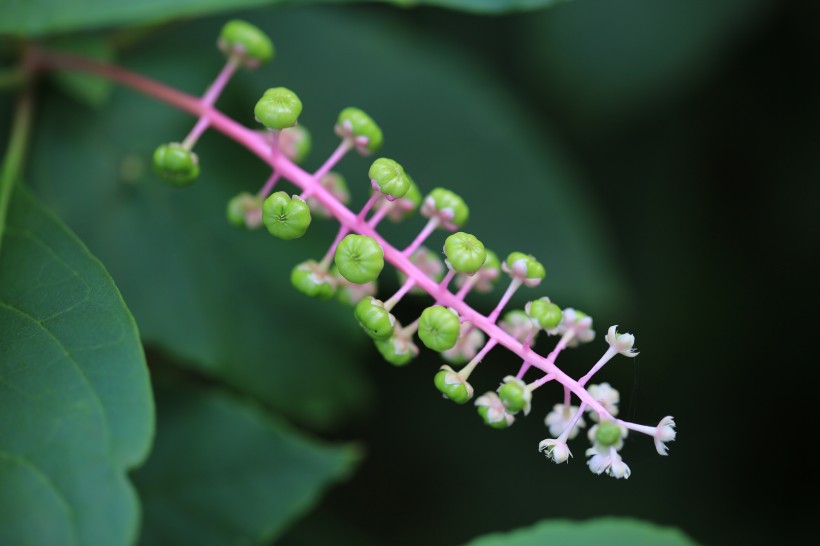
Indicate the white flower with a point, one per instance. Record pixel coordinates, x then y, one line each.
559 418
466 347
621 342
553 449
608 397
593 432
578 321
496 413
606 459
517 324
665 432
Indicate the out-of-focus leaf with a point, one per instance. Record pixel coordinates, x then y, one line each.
224 472
589 533
91 90
220 298
39 17
606 59
76 409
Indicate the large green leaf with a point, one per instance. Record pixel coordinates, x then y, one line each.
589 533
39 17
219 298
76 409
224 472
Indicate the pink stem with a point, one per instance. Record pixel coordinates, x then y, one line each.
467 286
448 278
347 219
598 365
268 187
209 99
468 369
535 384
396 298
337 155
375 196
514 285
379 215
565 435
429 228
331 252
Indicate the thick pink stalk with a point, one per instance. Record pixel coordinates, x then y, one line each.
306 181
268 187
209 99
429 228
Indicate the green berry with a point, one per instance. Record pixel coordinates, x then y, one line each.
246 42
608 433
359 258
396 350
241 207
279 108
374 318
492 263
310 279
285 217
545 314
439 328
295 143
405 206
389 177
525 265
440 200
354 123
465 252
452 385
515 396
176 164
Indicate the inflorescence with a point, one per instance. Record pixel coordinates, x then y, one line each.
356 258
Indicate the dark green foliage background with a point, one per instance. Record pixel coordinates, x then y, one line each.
673 145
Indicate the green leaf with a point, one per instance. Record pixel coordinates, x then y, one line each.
76 410
39 17
225 472
589 533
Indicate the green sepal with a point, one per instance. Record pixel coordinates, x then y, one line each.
310 279
444 199
374 318
359 258
389 176
354 123
176 164
285 217
545 314
608 433
246 42
439 328
452 385
279 108
465 252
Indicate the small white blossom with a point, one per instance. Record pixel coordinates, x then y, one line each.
608 397
467 345
559 418
517 324
496 411
593 432
621 342
556 451
606 459
665 432
578 321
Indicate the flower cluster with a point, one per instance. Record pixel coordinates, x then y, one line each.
349 270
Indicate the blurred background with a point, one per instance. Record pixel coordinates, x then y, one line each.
659 157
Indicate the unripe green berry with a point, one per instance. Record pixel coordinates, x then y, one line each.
396 351
242 207
285 217
278 108
440 200
374 318
452 385
515 396
359 258
355 124
310 279
176 164
608 433
295 142
245 41
492 263
465 252
545 314
439 328
389 177
528 266
405 206
493 411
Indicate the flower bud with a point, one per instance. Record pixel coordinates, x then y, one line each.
245 210
389 177
525 267
245 41
515 395
354 124
517 324
439 328
278 108
310 279
544 314
295 143
452 385
285 217
374 318
405 206
176 164
466 347
465 252
360 258
447 205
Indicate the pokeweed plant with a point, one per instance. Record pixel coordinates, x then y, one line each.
349 269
